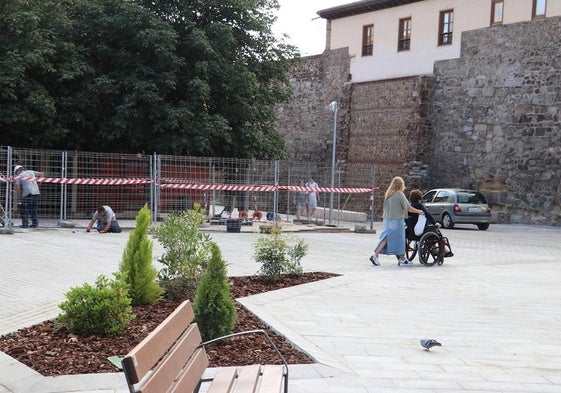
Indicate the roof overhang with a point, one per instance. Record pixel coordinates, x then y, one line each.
361 7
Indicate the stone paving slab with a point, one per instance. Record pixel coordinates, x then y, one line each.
495 306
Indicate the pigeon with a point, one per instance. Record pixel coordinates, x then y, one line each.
429 343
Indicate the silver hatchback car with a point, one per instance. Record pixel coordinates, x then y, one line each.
452 206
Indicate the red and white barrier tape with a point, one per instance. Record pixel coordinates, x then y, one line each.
236 187
189 186
94 182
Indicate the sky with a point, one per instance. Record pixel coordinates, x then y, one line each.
297 19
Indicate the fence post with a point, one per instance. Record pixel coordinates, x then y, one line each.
289 183
154 186
373 177
63 187
9 186
213 182
276 192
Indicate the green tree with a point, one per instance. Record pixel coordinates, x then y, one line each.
35 55
120 103
136 268
197 78
234 75
214 308
85 74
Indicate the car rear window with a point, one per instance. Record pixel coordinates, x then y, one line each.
471 197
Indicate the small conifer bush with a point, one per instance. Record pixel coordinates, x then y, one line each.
136 266
214 308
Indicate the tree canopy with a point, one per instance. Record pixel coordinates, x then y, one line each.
177 77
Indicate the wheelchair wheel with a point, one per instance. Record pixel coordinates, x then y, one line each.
431 250
411 247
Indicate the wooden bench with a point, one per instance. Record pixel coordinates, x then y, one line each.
172 358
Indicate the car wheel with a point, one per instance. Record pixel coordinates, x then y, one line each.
482 227
447 221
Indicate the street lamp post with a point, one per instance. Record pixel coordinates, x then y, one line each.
334 107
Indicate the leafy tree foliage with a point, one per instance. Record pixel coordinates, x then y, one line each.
190 77
234 71
32 60
92 74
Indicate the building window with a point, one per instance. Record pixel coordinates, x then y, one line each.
497 12
446 27
367 40
538 9
404 40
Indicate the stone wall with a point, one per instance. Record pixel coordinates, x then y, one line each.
386 127
390 129
488 121
496 120
307 121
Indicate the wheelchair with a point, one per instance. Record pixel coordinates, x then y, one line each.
430 245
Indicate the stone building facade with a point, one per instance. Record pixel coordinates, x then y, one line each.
488 120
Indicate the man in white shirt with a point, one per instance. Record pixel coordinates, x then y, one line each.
106 221
28 192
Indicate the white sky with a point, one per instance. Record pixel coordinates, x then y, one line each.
296 19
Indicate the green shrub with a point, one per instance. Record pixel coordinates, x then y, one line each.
279 254
187 249
104 309
136 268
214 308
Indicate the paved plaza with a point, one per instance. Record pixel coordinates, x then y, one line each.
495 307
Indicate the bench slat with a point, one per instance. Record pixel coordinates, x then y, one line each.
167 371
144 356
190 376
271 379
223 380
247 379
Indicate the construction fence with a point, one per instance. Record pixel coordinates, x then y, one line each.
75 183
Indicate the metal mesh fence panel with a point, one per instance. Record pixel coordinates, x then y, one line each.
121 181
224 183
48 162
6 202
76 183
344 176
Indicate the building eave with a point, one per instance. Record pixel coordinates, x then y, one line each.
361 7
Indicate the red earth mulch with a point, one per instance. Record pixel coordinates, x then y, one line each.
51 351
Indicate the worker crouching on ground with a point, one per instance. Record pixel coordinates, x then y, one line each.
106 221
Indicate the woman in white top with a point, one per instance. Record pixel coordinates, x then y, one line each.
392 238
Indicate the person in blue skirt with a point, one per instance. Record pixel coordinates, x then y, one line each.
392 239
